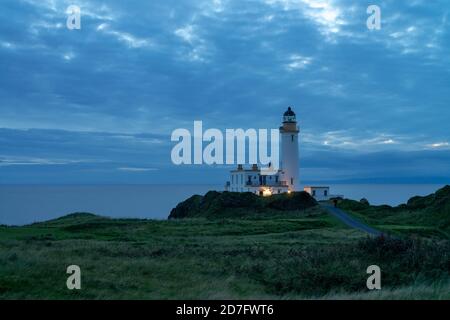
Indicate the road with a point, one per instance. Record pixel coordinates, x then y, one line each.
350 221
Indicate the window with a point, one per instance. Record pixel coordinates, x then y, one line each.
292 138
325 193
276 179
292 181
232 179
314 193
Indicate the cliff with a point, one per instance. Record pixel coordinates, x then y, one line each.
233 204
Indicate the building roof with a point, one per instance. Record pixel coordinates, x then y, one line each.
289 113
316 187
250 170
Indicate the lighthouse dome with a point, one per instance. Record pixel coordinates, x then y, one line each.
289 116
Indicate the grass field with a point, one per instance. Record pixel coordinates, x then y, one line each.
427 216
305 255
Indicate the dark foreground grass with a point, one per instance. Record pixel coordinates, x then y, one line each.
305 255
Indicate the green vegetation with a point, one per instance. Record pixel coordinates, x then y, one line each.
421 216
242 205
299 254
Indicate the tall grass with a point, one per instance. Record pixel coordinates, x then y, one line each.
295 257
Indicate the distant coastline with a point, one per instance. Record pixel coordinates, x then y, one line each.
24 204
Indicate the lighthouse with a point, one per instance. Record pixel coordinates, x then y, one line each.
289 150
285 180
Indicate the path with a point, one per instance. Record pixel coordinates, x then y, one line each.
350 221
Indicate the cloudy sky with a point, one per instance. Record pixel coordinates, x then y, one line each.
98 105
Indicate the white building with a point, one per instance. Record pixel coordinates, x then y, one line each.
287 179
251 180
321 193
318 193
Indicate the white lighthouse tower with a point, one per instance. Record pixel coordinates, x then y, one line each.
289 151
286 179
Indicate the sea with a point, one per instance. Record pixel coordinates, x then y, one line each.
26 204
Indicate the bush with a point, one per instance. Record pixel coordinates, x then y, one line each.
383 246
364 201
316 271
